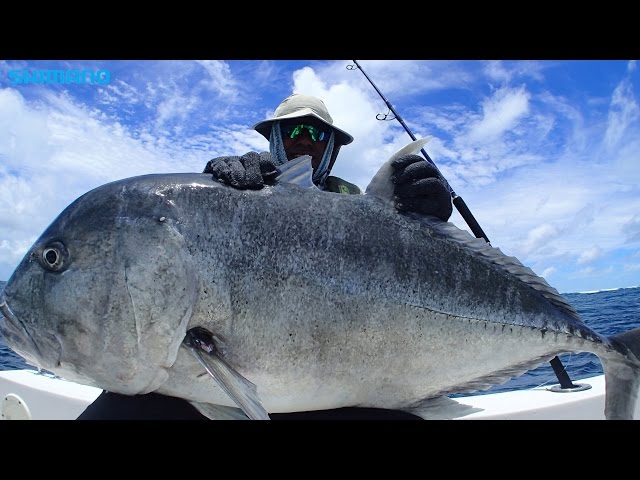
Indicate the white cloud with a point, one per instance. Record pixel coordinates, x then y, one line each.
589 255
500 113
505 72
397 79
531 160
119 94
623 111
548 272
219 77
631 229
538 237
53 153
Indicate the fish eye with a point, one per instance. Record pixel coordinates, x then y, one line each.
54 257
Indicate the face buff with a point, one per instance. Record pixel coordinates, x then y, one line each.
276 147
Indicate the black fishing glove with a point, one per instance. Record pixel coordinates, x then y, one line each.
420 188
250 171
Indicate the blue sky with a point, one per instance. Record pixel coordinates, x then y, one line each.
545 153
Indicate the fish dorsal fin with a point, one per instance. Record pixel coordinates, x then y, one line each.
510 264
298 171
381 185
382 188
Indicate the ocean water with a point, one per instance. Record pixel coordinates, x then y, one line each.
607 312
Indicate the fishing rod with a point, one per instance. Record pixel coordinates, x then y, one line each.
461 206
458 202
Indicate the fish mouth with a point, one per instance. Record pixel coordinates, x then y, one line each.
13 329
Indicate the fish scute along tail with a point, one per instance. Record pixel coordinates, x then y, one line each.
622 377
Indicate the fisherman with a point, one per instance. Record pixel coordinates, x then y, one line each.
301 125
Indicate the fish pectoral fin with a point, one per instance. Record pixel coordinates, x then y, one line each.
243 392
297 171
219 412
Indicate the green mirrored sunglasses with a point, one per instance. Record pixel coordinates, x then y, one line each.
292 131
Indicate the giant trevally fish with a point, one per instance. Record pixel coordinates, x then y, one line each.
292 299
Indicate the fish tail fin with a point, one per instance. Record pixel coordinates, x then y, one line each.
622 377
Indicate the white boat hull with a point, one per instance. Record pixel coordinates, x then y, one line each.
27 394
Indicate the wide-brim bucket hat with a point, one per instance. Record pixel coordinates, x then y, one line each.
298 105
